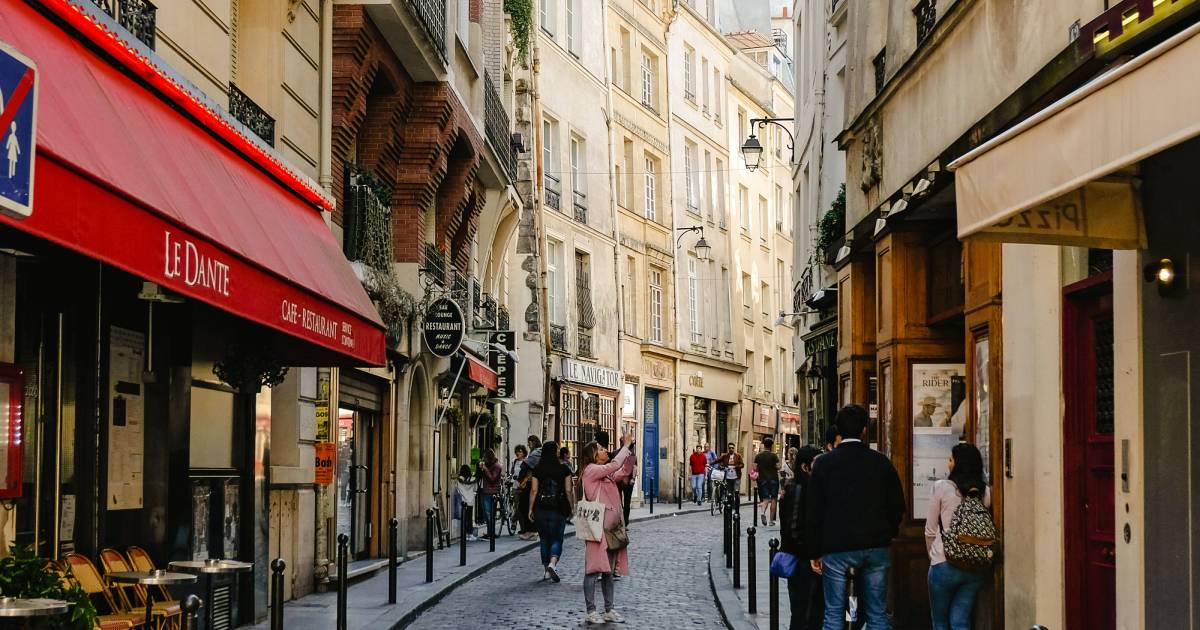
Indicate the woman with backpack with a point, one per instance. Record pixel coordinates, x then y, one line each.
959 533
549 507
610 554
805 592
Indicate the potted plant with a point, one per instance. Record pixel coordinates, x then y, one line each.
24 574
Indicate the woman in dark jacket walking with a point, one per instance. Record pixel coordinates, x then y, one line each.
805 593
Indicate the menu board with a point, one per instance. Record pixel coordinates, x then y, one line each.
126 422
938 418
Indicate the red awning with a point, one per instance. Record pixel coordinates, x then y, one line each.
124 177
480 373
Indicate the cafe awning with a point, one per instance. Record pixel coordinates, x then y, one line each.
1067 175
127 174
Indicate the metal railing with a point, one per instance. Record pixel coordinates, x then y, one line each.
460 289
580 204
367 220
435 264
804 290
247 112
502 319
553 196
926 12
139 17
585 343
496 126
432 16
558 337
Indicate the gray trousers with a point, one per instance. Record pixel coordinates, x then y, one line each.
606 586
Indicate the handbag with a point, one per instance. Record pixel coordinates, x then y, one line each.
589 519
783 565
617 538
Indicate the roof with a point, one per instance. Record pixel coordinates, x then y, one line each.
749 39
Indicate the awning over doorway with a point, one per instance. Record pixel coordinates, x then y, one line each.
479 373
124 177
1067 175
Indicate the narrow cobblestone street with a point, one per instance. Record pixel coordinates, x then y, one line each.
669 587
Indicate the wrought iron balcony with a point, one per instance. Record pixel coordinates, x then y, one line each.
926 12
435 264
553 196
136 16
460 289
367 219
248 113
476 298
490 312
581 207
432 16
503 322
497 127
804 290
585 343
558 337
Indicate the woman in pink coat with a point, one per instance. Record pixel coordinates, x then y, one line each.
599 561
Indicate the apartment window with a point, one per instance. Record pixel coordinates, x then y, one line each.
578 172
648 80
694 301
626 61
629 186
768 377
651 177
656 305
585 314
880 64
747 298
546 15
554 281
619 176
718 89
741 124
780 211
549 147
926 14
710 190
719 176
781 281
726 301
629 299
574 34
750 372
689 177
689 74
744 207
704 80
764 217
765 298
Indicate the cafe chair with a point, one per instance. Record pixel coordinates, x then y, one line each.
167 615
84 573
140 560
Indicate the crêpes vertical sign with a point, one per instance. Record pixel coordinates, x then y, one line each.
444 327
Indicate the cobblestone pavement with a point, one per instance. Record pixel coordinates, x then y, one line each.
668 588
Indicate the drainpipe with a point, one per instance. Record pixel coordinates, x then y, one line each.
325 176
538 194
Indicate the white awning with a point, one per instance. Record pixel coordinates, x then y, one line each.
1066 175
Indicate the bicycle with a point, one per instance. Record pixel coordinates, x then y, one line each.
716 497
506 516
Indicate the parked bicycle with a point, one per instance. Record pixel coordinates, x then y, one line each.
716 495
506 509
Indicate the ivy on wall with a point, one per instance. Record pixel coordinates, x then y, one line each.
832 225
521 12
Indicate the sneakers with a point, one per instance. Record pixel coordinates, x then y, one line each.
613 616
772 523
764 519
545 574
593 617
553 573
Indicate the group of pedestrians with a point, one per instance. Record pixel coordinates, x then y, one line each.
842 508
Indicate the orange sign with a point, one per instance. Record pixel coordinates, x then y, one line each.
325 461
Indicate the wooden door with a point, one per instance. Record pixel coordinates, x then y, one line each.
1089 518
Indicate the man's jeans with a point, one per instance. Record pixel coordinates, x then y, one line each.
952 593
488 503
873 566
698 488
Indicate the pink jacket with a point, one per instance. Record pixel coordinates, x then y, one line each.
598 485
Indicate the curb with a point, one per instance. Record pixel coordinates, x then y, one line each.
447 588
727 600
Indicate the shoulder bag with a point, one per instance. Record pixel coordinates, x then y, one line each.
589 519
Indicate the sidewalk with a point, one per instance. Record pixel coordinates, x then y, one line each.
366 604
735 603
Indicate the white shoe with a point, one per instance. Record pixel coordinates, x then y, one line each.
593 617
614 617
545 574
553 573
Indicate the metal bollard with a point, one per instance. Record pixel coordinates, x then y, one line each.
343 566
754 498
492 528
774 545
392 561
751 574
429 545
726 539
737 549
277 568
651 499
462 535
191 613
679 494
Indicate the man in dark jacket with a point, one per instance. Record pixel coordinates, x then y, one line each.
855 505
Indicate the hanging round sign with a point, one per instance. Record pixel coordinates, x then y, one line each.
444 327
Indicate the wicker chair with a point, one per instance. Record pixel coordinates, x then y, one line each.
84 573
167 615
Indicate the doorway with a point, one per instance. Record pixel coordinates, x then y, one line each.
650 443
1089 521
355 466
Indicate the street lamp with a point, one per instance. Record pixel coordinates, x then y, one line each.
702 247
782 319
752 149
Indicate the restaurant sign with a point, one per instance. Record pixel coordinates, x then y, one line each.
1103 213
502 363
590 374
444 327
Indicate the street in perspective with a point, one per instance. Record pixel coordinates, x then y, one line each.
746 314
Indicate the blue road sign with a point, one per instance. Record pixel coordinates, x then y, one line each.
18 131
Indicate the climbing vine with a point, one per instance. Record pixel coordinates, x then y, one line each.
521 12
832 225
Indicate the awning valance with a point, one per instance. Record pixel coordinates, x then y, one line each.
124 177
1067 175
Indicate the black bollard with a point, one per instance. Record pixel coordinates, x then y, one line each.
679 494
491 517
774 544
751 575
392 561
191 613
277 568
652 499
343 565
737 549
429 545
462 535
727 514
754 497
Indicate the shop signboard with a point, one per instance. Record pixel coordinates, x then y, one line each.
502 363
591 374
326 462
444 327
18 137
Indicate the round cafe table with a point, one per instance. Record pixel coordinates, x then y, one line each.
210 569
158 577
17 607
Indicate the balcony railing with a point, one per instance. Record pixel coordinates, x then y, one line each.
248 113
558 337
367 219
553 196
486 312
580 207
503 322
804 290
497 127
432 16
136 16
435 264
585 343
926 12
460 289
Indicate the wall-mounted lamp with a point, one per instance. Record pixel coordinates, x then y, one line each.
900 206
881 222
843 253
923 185
1165 274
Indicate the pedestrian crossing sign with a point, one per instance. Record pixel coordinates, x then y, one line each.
18 131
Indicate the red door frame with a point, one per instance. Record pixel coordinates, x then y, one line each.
1079 408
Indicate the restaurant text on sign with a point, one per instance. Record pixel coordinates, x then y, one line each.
183 259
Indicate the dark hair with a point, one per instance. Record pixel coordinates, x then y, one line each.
602 438
488 456
548 465
804 455
464 472
831 434
534 441
587 456
520 448
768 443
851 420
564 452
968 469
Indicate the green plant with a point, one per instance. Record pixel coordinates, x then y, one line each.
832 225
453 416
482 418
248 367
398 308
24 574
521 12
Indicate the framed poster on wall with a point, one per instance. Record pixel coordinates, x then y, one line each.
983 403
12 392
938 418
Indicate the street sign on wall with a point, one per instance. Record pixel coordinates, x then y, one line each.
444 327
18 127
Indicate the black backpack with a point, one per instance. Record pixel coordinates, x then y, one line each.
551 494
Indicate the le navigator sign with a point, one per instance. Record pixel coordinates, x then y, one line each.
590 374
